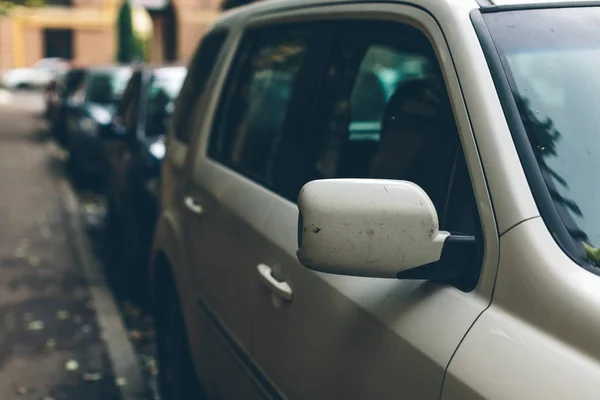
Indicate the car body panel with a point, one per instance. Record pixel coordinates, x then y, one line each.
533 310
261 226
539 336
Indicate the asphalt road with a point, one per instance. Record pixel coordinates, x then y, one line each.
63 335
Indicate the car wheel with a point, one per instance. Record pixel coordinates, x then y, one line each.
177 377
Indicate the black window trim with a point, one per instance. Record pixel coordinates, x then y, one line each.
540 191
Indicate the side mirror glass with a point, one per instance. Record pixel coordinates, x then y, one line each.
367 227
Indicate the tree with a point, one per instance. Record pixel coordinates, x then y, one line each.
127 43
229 4
7 5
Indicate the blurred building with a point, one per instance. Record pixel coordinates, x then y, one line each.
84 31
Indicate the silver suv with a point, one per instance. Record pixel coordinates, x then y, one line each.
383 200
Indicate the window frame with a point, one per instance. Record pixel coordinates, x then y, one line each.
471 275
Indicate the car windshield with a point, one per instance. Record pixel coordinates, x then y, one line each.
163 91
107 86
551 57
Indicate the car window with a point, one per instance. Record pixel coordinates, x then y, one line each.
201 68
250 129
162 93
106 87
72 80
127 109
384 113
131 105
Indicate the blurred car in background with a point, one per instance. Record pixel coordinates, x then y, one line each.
135 147
57 98
51 93
90 107
38 76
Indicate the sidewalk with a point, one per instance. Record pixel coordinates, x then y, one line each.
51 344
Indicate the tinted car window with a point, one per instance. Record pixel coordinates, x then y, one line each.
106 86
251 127
387 78
162 93
201 68
72 80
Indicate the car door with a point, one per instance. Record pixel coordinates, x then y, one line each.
187 112
323 336
255 126
126 121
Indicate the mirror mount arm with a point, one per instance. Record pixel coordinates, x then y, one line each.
458 253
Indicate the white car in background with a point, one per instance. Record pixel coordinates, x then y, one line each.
37 76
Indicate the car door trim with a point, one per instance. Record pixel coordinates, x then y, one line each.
259 378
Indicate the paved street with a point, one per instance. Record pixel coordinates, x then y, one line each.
61 334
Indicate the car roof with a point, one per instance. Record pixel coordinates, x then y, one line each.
265 7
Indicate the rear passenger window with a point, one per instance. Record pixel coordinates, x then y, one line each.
251 124
201 68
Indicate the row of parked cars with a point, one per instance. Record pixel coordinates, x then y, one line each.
112 120
366 200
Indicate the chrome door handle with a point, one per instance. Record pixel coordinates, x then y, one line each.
282 289
193 205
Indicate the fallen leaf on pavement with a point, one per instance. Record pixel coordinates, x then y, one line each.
62 315
34 261
71 365
21 390
86 329
35 326
92 376
50 344
120 381
138 336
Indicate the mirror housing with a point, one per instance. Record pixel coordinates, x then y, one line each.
367 227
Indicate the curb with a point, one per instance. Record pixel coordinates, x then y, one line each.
122 356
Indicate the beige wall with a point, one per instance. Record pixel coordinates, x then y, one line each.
94 46
188 36
6 44
156 50
34 44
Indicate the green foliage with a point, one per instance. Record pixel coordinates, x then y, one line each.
7 5
131 47
142 49
127 44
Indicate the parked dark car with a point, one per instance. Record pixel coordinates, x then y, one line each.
57 98
90 108
135 146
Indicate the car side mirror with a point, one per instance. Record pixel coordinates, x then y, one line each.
367 227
